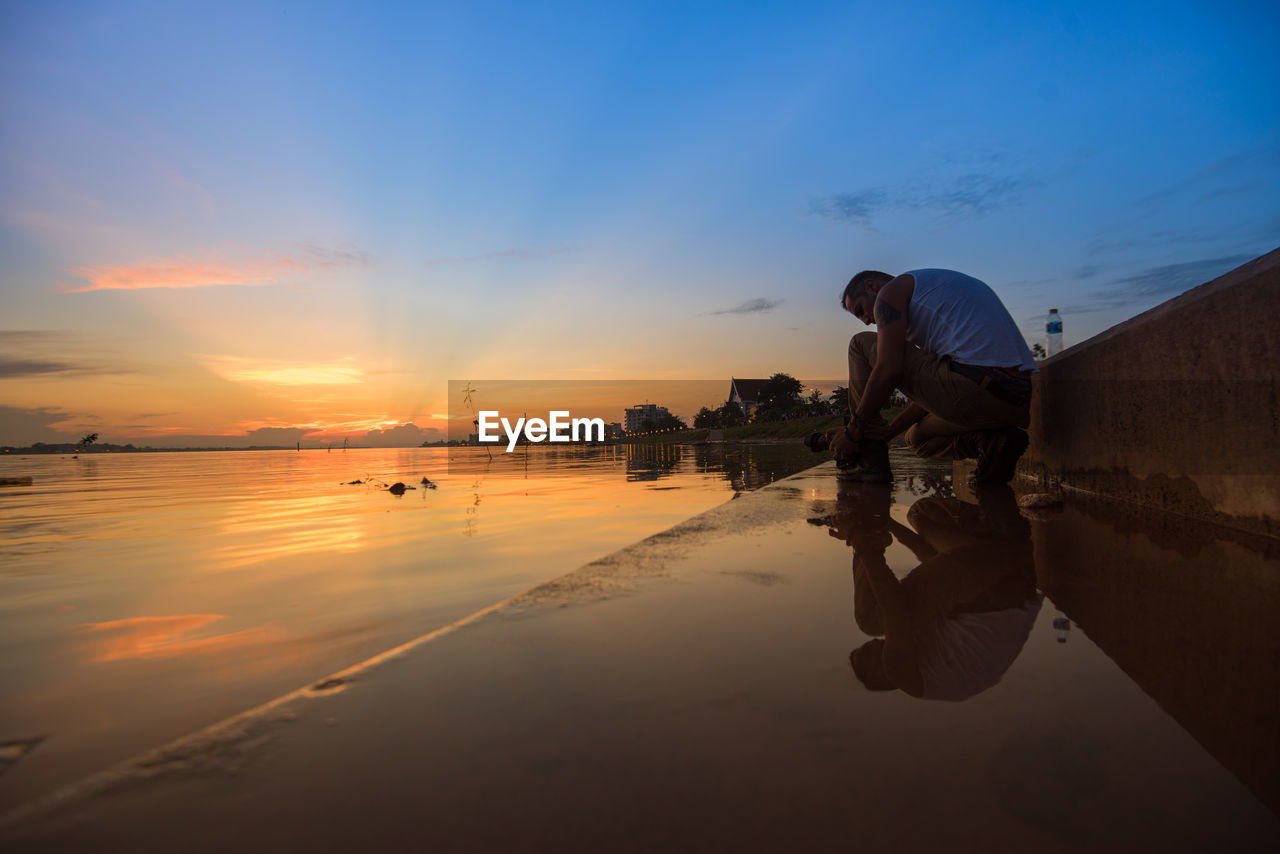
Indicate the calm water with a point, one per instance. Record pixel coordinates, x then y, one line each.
818 665
147 595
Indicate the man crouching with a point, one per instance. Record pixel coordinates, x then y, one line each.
945 341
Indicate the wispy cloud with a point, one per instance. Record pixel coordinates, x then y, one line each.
979 194
1229 190
1235 174
215 269
1171 279
185 273
335 258
1152 285
972 194
48 353
856 208
751 306
256 371
1119 239
15 368
22 337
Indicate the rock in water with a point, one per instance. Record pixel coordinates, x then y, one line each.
396 488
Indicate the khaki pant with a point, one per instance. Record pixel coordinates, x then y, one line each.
956 404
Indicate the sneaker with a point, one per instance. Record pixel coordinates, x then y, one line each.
870 466
998 452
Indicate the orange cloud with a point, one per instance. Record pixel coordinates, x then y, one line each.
186 273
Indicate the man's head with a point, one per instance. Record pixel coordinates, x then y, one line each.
859 297
867 662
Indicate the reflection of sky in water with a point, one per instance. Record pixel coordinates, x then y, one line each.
261 530
159 637
1153 722
207 582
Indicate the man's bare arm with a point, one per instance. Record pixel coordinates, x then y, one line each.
891 347
906 418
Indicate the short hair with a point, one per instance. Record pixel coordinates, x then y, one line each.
858 284
867 662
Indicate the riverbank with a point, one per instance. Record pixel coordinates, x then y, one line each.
760 432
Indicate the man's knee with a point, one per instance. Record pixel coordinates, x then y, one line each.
915 439
864 343
864 339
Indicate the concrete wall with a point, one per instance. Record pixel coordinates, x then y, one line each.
1176 409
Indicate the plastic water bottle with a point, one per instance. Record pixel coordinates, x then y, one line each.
1061 626
1054 330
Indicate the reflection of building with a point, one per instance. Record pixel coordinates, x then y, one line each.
638 414
652 462
745 393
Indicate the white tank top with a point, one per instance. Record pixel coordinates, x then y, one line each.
955 315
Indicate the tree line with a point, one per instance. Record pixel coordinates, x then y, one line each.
779 399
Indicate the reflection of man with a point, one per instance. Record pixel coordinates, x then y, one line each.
947 342
952 627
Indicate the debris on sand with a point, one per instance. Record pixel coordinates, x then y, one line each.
16 481
398 488
1039 499
353 482
1040 506
427 482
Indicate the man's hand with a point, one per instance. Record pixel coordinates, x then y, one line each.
844 441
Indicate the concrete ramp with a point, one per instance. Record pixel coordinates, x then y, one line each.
1177 409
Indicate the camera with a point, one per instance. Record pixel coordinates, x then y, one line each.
818 442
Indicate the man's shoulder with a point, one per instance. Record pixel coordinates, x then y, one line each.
937 280
939 273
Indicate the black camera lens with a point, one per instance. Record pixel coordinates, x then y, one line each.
818 442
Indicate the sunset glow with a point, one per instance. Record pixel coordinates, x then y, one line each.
202 230
244 370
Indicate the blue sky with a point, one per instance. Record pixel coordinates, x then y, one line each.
362 201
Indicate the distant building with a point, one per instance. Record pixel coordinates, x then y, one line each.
638 414
745 393
613 430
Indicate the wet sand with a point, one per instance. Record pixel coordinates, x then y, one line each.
695 691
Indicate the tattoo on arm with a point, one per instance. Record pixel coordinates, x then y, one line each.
885 313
